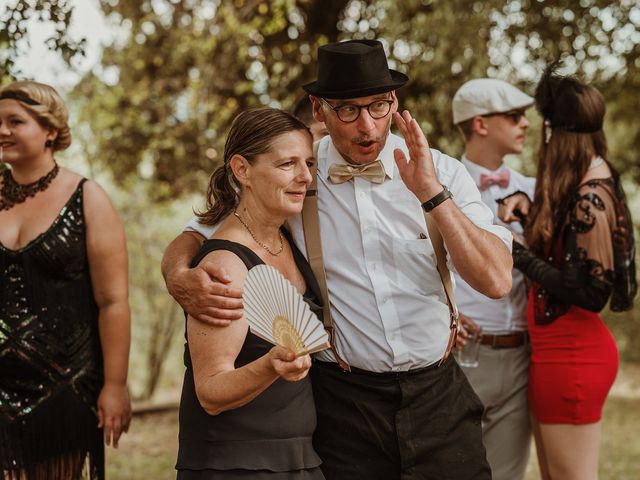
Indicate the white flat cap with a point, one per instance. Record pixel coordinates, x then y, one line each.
482 96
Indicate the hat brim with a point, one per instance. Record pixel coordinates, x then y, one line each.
398 79
459 118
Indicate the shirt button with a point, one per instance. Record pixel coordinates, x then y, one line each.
384 300
363 194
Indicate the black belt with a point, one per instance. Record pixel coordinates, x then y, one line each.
360 371
509 340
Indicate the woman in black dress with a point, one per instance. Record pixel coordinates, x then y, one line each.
247 407
64 314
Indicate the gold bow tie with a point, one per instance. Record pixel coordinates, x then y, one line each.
372 172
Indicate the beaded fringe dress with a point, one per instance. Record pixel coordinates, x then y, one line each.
50 356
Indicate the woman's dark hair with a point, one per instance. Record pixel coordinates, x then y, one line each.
572 136
252 133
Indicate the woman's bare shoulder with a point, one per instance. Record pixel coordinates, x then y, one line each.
230 262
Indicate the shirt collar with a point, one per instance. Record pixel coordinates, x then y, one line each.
476 170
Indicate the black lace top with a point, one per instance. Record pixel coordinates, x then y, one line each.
590 259
50 353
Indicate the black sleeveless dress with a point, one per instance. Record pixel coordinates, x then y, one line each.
50 354
271 436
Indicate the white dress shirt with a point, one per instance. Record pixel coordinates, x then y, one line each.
507 314
387 301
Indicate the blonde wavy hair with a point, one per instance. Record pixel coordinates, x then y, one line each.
51 111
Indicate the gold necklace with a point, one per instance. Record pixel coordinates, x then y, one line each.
275 254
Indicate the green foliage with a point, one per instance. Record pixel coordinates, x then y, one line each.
13 28
186 69
157 321
164 97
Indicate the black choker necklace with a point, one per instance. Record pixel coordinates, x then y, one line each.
12 193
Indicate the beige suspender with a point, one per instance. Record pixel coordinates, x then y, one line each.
313 245
445 277
311 224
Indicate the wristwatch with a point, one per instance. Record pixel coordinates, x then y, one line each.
437 200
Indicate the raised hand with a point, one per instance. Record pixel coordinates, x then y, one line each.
418 172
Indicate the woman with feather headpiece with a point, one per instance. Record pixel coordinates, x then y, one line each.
579 256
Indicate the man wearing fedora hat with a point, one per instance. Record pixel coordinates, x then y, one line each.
402 410
491 116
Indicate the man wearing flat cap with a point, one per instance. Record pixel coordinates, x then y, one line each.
391 403
491 116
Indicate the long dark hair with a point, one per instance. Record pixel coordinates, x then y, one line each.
573 114
252 133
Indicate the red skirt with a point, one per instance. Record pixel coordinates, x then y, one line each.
574 362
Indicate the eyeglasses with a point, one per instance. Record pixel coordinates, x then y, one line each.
349 113
514 115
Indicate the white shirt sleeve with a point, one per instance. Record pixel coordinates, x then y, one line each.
467 196
205 230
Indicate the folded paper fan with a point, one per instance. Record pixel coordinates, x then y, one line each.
277 313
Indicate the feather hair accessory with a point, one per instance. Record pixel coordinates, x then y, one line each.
558 100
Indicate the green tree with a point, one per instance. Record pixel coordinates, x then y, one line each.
186 69
14 19
164 98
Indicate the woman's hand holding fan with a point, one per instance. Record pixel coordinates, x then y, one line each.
289 367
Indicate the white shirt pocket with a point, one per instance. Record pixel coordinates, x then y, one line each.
416 265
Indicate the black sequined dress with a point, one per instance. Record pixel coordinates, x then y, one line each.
50 355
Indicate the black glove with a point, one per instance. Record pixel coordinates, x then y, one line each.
570 285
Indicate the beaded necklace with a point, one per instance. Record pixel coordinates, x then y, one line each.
12 193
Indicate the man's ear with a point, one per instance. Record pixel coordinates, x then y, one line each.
240 167
479 126
396 103
318 112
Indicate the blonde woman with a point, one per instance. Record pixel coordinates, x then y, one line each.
64 314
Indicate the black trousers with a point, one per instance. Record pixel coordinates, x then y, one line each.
422 424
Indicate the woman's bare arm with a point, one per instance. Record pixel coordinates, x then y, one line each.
204 291
107 253
219 385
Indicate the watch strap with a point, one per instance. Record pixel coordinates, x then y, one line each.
437 200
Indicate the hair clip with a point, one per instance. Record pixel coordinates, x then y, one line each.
547 131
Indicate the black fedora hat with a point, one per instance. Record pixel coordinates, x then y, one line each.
352 69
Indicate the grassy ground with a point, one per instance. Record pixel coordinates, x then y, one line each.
149 450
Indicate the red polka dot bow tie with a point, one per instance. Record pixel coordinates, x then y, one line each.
500 178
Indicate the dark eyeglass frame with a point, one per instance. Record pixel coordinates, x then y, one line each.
514 115
360 107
